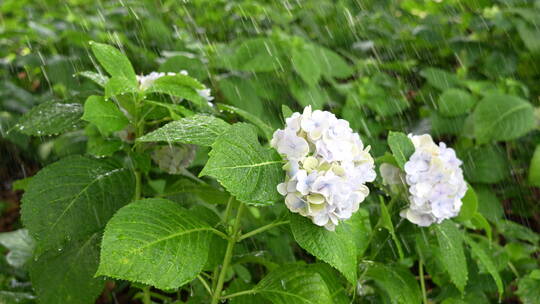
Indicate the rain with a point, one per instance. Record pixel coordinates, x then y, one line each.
142 151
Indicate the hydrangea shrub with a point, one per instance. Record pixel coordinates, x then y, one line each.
185 194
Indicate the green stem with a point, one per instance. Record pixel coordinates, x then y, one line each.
514 270
240 293
220 234
146 295
205 284
422 281
215 275
378 225
228 210
138 185
398 245
139 131
261 229
233 237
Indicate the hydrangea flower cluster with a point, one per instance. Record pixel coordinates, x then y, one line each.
436 184
174 159
145 81
327 167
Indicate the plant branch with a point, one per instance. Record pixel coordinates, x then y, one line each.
228 255
261 229
139 131
228 209
422 281
146 299
220 234
205 284
240 293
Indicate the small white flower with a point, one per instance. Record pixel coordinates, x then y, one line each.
174 159
288 143
146 81
327 167
435 180
314 123
326 186
305 181
293 122
206 94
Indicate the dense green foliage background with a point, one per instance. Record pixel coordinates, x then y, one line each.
467 72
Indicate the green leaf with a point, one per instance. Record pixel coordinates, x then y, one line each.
20 246
118 85
529 288
512 230
257 55
455 102
305 95
113 61
175 111
286 111
470 205
21 184
485 164
265 129
529 35
242 93
102 147
104 114
337 248
451 253
534 168
155 242
198 129
502 117
485 260
399 283
401 146
304 61
51 118
181 86
247 170
334 282
294 284
67 276
442 125
440 79
480 222
385 220
381 94
100 79
332 64
359 226
72 198
205 192
193 66
178 80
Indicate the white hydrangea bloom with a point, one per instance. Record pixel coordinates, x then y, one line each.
435 180
174 159
327 167
145 81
